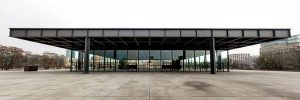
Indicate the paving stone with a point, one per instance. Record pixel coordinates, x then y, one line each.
234 85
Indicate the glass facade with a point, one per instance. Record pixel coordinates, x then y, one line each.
155 60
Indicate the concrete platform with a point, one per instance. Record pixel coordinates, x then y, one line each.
235 85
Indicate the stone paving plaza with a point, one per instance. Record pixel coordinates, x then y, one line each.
235 85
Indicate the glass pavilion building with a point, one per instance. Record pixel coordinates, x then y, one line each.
149 49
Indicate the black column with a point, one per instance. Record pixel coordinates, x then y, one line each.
82 59
94 60
195 66
104 63
217 62
184 56
71 60
228 69
205 63
212 56
86 55
115 58
79 62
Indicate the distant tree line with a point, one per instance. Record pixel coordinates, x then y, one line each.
279 60
272 60
17 58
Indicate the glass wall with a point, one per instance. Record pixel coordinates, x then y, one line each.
222 60
199 54
132 61
99 60
166 60
109 64
143 64
157 60
177 61
122 60
189 64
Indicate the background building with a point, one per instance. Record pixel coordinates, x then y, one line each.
242 61
282 54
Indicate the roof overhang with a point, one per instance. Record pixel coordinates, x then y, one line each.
149 38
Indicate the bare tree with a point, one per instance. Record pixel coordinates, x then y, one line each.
16 58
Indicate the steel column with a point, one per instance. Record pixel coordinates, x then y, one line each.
149 59
217 62
79 62
71 60
82 59
199 64
228 69
115 58
104 62
195 60
94 60
205 65
212 56
184 56
86 55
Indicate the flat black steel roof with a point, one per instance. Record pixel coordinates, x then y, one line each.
150 38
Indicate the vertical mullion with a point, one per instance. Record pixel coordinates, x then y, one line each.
205 65
109 64
217 51
160 60
104 62
194 60
172 51
71 60
183 65
148 58
127 61
94 60
115 59
138 62
228 59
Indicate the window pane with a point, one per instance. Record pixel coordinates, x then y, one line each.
121 54
166 54
122 57
132 54
154 54
144 54
177 54
155 60
109 53
177 62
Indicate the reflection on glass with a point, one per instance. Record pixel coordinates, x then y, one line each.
99 59
122 59
166 62
199 54
143 60
207 61
132 59
109 61
189 61
155 60
177 59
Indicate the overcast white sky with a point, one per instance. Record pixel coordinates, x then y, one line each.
144 14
